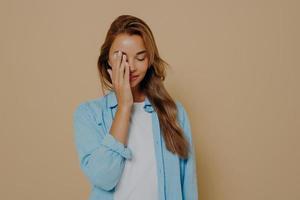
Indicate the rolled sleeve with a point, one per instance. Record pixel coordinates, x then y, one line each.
111 142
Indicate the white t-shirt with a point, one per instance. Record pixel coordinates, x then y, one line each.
139 178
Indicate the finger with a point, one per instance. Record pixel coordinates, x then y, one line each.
119 58
109 72
117 68
113 67
113 60
126 76
121 70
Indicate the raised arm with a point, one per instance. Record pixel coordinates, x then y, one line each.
102 156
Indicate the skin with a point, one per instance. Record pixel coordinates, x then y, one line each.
126 58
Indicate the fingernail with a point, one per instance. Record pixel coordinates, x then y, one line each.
115 55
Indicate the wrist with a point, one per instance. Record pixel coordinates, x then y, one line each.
124 108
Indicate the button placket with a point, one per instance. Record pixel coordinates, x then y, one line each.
159 154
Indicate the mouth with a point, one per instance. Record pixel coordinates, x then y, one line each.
133 77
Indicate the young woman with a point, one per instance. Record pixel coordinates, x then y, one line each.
135 142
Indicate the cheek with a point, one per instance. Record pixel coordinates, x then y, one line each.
142 70
142 65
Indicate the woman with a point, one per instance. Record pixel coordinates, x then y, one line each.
135 142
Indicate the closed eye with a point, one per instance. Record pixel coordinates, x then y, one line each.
141 59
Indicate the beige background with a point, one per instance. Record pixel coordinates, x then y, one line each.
235 66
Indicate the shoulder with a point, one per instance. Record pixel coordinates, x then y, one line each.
90 104
91 108
182 114
184 120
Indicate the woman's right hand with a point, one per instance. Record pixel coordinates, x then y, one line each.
120 80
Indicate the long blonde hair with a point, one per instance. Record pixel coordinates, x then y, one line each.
152 84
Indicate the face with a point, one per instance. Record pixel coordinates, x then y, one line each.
133 47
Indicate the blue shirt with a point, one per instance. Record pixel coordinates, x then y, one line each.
102 157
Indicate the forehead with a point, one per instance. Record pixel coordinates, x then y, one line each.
130 44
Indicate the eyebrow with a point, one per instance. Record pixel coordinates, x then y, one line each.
138 53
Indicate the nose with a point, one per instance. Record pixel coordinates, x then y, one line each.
131 64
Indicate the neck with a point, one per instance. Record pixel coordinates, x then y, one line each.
138 96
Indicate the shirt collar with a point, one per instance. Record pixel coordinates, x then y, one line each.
113 102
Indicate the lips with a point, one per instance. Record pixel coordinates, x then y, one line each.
133 77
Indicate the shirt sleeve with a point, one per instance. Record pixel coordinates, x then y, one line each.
101 156
189 184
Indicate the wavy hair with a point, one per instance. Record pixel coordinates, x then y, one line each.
152 84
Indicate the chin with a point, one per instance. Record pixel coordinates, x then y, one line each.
134 84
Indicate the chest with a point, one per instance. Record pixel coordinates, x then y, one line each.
169 166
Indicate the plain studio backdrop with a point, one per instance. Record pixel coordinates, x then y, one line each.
234 65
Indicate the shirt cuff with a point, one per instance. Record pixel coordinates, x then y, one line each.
111 142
